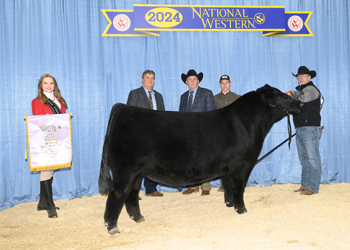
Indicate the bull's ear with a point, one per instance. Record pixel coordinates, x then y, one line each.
264 88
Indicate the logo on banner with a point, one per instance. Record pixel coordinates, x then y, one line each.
50 128
259 18
295 23
121 22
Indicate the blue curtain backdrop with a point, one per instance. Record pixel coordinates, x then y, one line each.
94 72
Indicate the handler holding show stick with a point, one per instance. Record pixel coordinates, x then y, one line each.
49 101
308 130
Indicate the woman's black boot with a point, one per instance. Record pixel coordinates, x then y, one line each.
51 209
42 201
51 191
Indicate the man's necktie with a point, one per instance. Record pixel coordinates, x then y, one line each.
150 99
189 106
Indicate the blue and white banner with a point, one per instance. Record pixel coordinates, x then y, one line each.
149 19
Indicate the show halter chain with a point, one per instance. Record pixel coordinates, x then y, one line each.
289 126
288 139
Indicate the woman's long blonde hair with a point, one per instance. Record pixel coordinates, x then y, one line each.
56 90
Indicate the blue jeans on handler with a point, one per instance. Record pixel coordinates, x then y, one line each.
308 141
150 186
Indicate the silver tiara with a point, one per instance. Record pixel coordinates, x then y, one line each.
47 73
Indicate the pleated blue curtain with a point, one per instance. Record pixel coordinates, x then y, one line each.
94 72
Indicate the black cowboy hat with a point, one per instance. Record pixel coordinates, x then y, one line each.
305 71
192 72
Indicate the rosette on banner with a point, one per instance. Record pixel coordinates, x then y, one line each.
49 141
121 23
149 19
295 23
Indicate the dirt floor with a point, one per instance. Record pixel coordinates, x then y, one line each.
277 218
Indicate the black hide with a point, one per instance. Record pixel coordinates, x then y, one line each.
179 149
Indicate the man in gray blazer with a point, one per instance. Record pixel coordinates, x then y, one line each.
147 97
197 99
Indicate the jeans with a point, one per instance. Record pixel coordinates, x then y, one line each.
308 141
150 186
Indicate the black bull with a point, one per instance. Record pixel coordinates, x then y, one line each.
179 149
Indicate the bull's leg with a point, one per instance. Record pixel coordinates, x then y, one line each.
227 190
114 206
132 206
132 202
227 187
238 187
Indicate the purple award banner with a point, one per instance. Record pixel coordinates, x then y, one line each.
149 19
50 141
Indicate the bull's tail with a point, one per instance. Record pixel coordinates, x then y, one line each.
105 183
105 179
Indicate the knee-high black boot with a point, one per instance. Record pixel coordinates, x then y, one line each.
51 191
51 209
42 205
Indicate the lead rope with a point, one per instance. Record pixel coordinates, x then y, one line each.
289 132
288 139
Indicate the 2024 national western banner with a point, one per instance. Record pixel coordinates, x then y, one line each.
149 19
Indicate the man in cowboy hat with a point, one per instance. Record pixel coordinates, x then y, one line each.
197 99
224 98
308 130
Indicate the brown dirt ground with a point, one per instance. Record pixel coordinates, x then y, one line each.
277 218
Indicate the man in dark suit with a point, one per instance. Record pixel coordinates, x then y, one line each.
147 97
197 99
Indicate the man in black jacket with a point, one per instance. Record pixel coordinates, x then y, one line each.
308 130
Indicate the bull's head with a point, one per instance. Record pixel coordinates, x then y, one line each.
279 100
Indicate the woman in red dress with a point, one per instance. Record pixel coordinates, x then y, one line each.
49 101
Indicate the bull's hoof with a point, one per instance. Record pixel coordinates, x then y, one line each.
242 210
113 230
140 220
229 204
